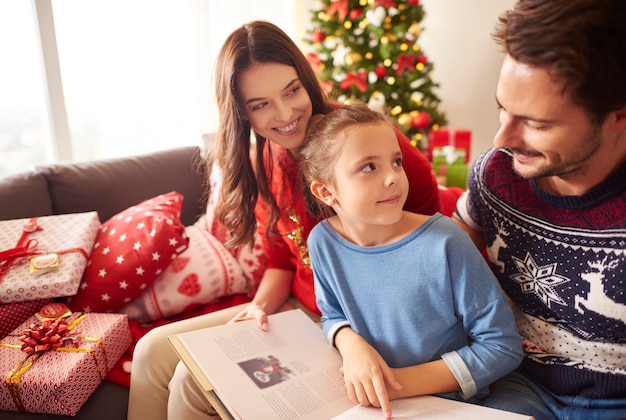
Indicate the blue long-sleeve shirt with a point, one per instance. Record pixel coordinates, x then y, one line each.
427 296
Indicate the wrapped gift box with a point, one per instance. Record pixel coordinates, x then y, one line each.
68 236
13 314
448 155
453 175
449 150
450 167
60 381
459 139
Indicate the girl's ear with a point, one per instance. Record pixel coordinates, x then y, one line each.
322 193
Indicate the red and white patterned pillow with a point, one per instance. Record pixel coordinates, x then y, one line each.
207 270
132 250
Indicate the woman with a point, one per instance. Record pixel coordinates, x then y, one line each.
263 84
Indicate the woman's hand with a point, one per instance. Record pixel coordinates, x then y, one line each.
365 373
252 311
272 296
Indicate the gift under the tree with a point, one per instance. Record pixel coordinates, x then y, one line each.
459 139
451 175
44 257
53 366
449 151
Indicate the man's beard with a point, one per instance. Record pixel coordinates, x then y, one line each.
576 165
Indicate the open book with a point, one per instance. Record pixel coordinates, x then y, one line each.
291 372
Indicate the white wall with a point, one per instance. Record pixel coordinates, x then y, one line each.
457 39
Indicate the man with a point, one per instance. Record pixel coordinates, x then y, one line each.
549 204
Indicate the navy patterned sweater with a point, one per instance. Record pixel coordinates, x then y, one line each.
561 260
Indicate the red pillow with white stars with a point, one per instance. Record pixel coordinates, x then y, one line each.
131 251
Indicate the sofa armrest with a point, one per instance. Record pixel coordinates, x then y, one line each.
112 185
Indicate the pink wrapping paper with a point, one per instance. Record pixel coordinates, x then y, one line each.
62 234
59 381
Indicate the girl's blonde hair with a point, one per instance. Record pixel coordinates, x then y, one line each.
323 145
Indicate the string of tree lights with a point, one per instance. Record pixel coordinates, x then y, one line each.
368 50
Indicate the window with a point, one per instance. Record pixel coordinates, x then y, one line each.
22 106
130 74
135 76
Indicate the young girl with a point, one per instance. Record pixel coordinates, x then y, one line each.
406 298
265 85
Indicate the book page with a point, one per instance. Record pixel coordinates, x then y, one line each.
291 372
286 373
431 408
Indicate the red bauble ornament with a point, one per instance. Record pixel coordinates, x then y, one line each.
318 36
355 13
387 3
327 86
314 60
421 120
380 71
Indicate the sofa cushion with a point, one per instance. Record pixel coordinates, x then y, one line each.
202 273
24 195
131 251
112 185
205 271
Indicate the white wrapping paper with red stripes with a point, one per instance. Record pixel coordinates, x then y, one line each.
70 236
60 381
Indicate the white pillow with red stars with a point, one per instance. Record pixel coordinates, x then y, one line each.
132 250
206 271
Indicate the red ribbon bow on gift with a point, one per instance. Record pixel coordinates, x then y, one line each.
28 249
23 248
50 335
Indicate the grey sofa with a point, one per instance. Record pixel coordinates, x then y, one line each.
108 187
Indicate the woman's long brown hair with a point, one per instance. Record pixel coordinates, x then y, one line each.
254 42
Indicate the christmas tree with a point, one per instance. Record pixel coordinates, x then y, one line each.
368 50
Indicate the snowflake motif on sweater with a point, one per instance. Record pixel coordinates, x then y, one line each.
562 261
